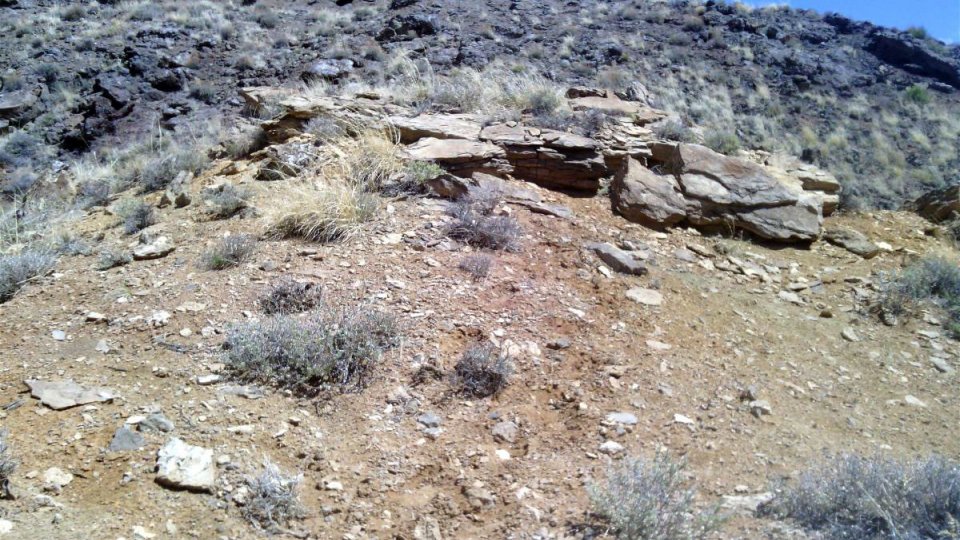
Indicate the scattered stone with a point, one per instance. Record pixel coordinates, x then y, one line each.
95 317
647 297
206 380
55 479
853 241
59 335
791 297
746 503
611 448
941 364
625 418
433 433
502 455
914 402
158 318
659 346
505 432
559 344
685 420
6 526
142 533
429 420
126 440
618 260
760 408
850 334
183 466
158 248
59 395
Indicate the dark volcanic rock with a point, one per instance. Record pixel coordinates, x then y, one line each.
913 55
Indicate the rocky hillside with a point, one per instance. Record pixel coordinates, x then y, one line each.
567 271
874 106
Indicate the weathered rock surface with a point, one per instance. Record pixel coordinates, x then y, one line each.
644 197
853 241
915 56
937 205
437 126
461 157
158 248
550 158
617 259
184 466
710 190
64 394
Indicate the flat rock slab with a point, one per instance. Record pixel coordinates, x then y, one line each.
161 247
853 241
126 440
59 395
438 126
184 466
647 297
617 259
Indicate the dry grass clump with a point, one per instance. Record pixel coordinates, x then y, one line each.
17 270
274 500
477 265
326 213
287 297
136 216
328 348
347 173
225 200
932 281
482 371
851 496
475 224
230 251
651 500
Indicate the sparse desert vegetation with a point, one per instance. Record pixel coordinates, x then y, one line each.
456 270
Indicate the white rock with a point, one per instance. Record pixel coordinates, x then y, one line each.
685 420
624 418
655 345
914 402
611 448
503 455
850 334
205 380
56 478
5 526
647 297
142 533
180 465
159 318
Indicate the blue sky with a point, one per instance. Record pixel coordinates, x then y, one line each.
940 17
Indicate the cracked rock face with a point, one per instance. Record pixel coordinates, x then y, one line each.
184 466
706 189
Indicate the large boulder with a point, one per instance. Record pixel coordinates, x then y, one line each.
713 191
642 196
937 205
914 55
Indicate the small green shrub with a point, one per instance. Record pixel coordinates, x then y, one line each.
267 19
932 280
722 142
675 130
274 500
851 496
477 265
17 270
482 371
7 465
230 251
327 348
225 201
163 168
918 32
918 94
652 500
137 216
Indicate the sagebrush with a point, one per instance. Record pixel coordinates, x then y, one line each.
274 499
652 500
482 371
328 348
874 498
